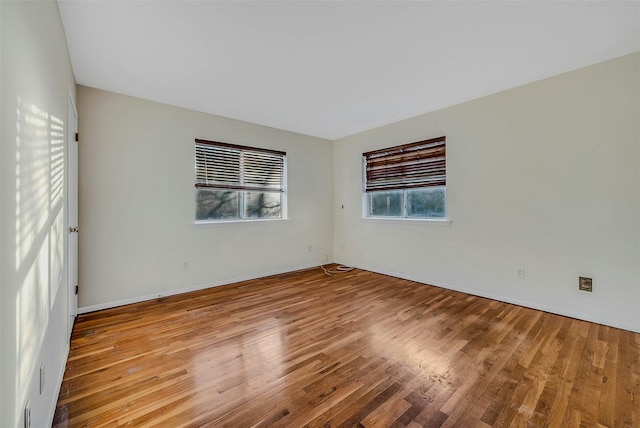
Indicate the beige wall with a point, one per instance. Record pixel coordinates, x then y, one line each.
545 176
137 203
36 80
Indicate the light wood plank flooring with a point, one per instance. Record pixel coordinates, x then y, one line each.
354 349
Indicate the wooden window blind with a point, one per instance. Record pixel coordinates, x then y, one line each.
419 164
230 166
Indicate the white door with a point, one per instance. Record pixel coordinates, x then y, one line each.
72 213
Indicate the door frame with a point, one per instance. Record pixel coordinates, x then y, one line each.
72 213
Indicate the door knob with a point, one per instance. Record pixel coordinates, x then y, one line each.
74 229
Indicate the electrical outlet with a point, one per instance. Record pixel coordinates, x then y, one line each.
42 378
27 415
185 266
585 284
520 273
310 248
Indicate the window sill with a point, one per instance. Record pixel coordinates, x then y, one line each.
238 223
399 220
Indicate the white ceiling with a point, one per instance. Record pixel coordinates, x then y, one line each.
335 68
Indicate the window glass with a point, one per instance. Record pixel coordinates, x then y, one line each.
387 204
263 204
217 204
426 203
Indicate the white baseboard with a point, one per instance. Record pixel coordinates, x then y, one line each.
527 304
54 402
138 299
505 299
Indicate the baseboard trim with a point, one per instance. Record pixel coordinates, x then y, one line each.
505 299
138 299
54 402
501 298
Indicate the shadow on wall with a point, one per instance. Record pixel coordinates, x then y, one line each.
39 231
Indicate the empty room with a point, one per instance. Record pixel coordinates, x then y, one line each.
319 213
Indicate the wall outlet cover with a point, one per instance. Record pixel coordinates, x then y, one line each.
27 415
585 284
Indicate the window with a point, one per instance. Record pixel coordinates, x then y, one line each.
239 183
407 181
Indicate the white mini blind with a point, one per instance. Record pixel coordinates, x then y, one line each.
413 165
230 166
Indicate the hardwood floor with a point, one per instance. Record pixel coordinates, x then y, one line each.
354 349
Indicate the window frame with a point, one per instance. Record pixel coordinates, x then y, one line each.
400 170
240 187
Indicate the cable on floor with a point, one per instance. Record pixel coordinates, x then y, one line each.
337 269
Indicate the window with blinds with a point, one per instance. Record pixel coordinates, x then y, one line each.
406 181
239 183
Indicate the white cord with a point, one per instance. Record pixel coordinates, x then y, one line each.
337 269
